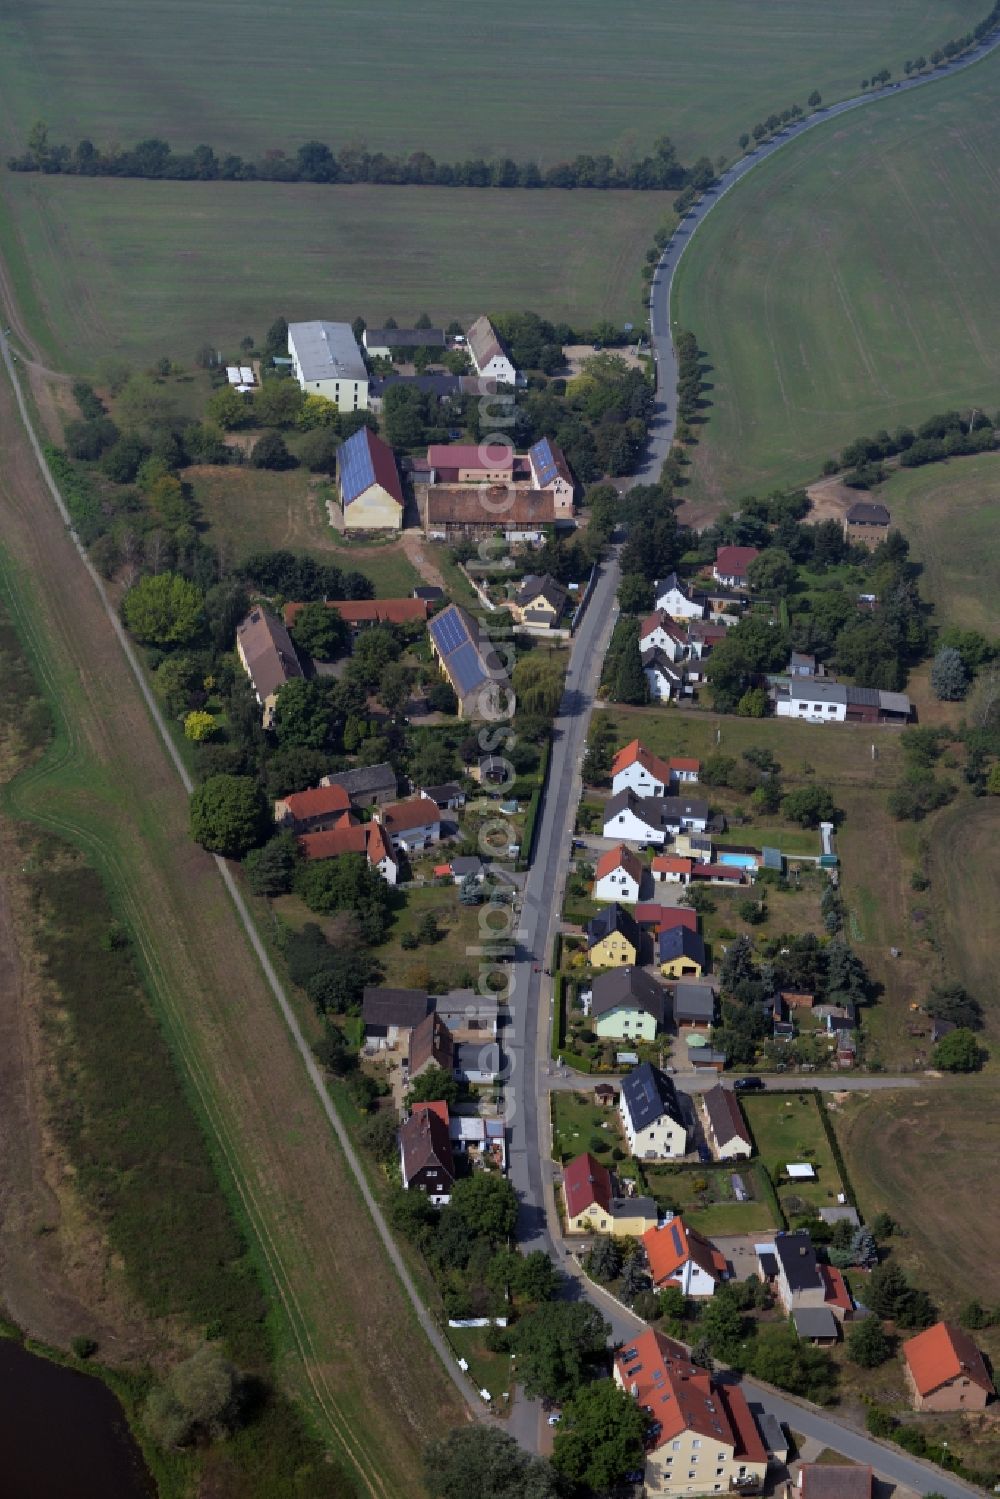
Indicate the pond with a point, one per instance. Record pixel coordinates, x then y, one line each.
63 1435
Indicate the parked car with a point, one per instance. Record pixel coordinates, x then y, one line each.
748 1084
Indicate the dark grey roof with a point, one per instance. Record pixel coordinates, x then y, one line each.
544 587
677 807
363 778
381 1008
681 942
443 793
428 592
864 514
769 1265
477 1056
798 1260
773 858
613 919
868 696
814 690
694 1002
630 987
648 808
404 338
464 864
814 1322
467 1005
657 659
649 1094
441 386
725 1115
771 1430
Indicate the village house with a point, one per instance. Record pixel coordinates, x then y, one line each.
369 839
637 819
945 1371
662 678
540 602
675 598
636 769
790 1267
386 343
489 357
835 1481
358 614
425 1155
820 700
431 1045
389 1015
312 811
469 1014
725 1127
411 825
491 462
469 660
659 632
671 869
866 524
367 785
550 471
681 953
703 636
694 1006
327 361
613 938
618 875
595 1204
682 1257
652 1115
627 1004
371 493
268 657
703 1438
477 512
732 566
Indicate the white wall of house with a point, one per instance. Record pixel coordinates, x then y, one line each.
619 885
679 607
660 686
498 368
637 778
663 1140
802 708
658 636
628 828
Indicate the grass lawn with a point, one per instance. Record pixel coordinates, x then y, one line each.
926 1158
850 284
143 269
488 1371
445 963
788 1129
705 1198
950 514
575 1119
446 78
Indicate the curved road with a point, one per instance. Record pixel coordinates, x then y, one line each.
661 290
527 1039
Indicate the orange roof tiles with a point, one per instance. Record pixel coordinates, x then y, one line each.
680 762
636 751
317 801
619 856
940 1354
679 1395
671 864
669 1247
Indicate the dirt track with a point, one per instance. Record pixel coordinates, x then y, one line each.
355 1355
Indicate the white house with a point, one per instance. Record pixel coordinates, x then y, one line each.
688 814
681 1256
635 819
725 1127
326 360
635 768
813 699
658 631
732 566
618 876
662 677
677 600
489 358
411 825
549 470
651 1114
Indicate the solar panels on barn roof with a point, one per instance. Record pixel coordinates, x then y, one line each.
449 631
546 466
357 470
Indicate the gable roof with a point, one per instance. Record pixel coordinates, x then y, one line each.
467 654
548 462
424 1141
401 817
628 988
363 460
636 753
725 1116
326 351
683 1397
369 611
835 1481
367 838
694 1002
671 864
586 1182
942 1353
613 919
364 778
648 1095
864 514
648 809
487 456
656 659
660 620
681 942
671 916
544 587
268 651
405 1008
484 342
431 1041
317 801
732 562
621 856
669 1247
494 505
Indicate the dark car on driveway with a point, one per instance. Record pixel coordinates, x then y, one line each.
748 1084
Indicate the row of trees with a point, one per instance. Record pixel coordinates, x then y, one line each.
945 434
316 162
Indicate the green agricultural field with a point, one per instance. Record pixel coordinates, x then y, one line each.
950 513
850 284
141 269
453 79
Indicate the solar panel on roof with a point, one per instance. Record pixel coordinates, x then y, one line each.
450 631
466 668
357 472
675 1235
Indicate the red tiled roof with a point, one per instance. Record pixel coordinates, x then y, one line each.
494 505
487 455
732 562
586 1182
637 752
660 619
678 762
749 1445
364 838
683 1397
438 1107
672 864
316 802
369 611
942 1353
835 1288
672 916
399 817
669 1247
717 872
622 856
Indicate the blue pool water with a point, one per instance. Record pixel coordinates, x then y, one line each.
742 861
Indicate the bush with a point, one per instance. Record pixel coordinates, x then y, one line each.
228 815
200 1399
271 451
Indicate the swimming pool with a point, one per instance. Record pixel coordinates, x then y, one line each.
742 861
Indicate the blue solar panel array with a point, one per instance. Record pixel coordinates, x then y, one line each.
544 461
354 460
676 1236
451 635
